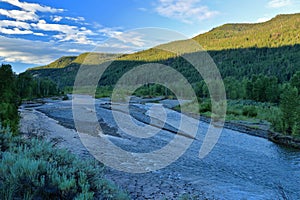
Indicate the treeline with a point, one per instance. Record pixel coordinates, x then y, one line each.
281 62
260 90
14 88
29 87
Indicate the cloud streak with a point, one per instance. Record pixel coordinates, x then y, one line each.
279 3
19 15
187 11
34 52
65 32
32 7
26 21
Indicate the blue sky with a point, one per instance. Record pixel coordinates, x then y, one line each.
36 32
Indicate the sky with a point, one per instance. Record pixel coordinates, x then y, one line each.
36 32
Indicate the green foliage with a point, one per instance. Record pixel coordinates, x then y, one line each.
255 61
205 107
249 111
103 91
13 88
295 80
289 105
263 89
281 30
152 90
296 129
29 88
239 50
9 100
33 169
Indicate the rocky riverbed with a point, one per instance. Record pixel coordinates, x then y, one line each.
239 167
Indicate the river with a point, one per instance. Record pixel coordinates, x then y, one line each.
240 166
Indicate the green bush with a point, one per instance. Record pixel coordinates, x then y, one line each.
249 111
233 111
296 129
33 169
205 107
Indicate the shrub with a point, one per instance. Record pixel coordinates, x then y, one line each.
205 107
249 111
296 129
33 169
233 111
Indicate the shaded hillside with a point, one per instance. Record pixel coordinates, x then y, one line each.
240 50
281 62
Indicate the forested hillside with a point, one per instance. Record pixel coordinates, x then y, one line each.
239 50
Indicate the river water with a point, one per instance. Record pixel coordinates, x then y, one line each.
239 167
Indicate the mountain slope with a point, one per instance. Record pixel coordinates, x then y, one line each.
280 31
86 58
283 30
59 63
239 50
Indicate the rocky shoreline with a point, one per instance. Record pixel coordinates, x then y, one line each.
252 129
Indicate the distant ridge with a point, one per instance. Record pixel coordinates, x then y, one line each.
86 58
282 30
239 50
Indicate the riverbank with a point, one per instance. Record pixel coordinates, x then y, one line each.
239 166
153 185
255 129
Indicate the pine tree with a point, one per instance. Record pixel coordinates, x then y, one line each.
295 80
289 104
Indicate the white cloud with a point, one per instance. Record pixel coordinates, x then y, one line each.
19 15
136 40
18 24
10 27
62 32
65 32
39 34
76 19
35 52
32 7
187 11
15 31
28 10
25 51
132 38
56 18
279 3
59 18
